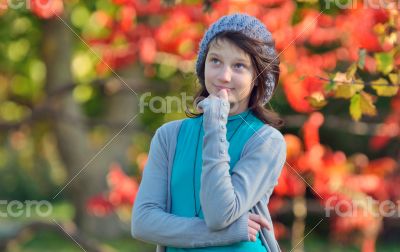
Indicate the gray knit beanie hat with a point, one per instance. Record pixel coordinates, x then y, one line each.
249 26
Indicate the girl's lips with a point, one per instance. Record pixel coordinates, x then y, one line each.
221 87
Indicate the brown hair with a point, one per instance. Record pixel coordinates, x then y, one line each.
261 63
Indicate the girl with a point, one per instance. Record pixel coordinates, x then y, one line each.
209 177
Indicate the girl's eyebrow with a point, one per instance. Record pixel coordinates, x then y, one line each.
237 59
214 54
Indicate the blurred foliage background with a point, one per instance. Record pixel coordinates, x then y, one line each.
79 82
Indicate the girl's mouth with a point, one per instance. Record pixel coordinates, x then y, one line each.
222 87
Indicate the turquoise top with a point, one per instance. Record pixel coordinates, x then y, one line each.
240 128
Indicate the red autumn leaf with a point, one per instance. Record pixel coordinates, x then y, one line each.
289 184
297 88
123 189
388 130
311 128
275 204
103 19
99 206
381 167
280 230
47 8
147 50
127 19
294 147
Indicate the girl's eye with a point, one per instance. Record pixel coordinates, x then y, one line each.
240 65
214 60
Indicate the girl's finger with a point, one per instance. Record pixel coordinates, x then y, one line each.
254 225
260 220
263 222
252 231
223 94
252 237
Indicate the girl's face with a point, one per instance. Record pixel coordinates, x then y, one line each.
229 67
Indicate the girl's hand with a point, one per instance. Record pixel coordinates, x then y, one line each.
213 100
223 94
256 222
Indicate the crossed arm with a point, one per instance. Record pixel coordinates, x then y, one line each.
226 197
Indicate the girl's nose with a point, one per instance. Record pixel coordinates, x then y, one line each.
225 75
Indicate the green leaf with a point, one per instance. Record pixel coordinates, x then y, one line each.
366 104
361 58
383 88
317 100
394 79
345 87
355 107
347 91
330 85
351 71
384 62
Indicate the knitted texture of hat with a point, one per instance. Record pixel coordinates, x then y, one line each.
249 26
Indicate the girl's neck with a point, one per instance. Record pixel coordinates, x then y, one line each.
237 109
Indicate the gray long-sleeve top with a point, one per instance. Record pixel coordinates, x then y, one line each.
225 199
